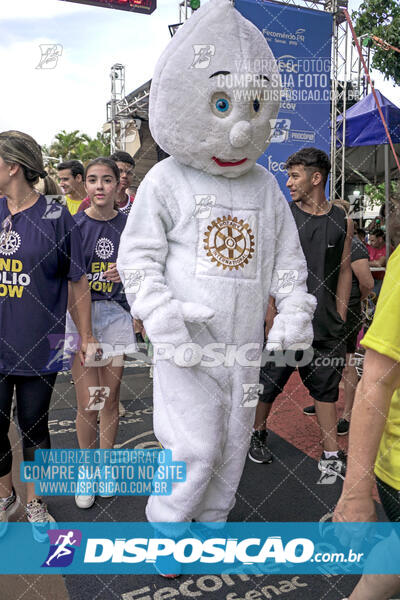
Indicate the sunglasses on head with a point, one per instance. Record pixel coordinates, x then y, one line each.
6 227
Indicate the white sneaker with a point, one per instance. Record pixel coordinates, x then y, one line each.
8 506
84 501
109 482
40 518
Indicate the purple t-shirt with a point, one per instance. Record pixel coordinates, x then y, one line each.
100 248
38 255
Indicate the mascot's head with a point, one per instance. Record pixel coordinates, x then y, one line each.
215 91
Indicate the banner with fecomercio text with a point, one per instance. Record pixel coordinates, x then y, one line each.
300 40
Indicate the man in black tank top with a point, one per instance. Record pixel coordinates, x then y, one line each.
325 235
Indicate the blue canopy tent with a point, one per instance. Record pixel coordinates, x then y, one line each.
366 140
369 158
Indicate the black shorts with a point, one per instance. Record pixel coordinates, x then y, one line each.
320 369
353 325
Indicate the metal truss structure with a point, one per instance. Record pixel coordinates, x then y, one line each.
116 106
348 84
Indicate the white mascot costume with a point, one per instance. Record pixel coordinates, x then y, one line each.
211 236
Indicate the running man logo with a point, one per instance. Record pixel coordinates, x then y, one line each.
279 130
62 547
133 280
50 55
54 206
204 203
202 55
98 396
286 280
251 394
330 471
62 349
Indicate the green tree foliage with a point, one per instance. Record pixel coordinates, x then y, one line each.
376 193
381 18
77 145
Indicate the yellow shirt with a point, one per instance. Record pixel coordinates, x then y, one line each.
72 205
384 337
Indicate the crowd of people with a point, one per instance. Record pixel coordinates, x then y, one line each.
59 263
59 279
344 269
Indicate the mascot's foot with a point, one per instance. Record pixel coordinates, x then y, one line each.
168 567
203 531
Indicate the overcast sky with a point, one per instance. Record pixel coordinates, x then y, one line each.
74 94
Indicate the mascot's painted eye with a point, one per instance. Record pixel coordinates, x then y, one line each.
255 106
221 104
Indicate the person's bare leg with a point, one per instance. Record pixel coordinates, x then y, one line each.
262 412
6 485
86 420
110 377
350 381
6 488
376 587
326 415
30 491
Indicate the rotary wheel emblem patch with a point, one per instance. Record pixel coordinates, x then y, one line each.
104 248
9 242
229 242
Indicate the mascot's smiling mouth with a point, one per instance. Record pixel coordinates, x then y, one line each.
229 163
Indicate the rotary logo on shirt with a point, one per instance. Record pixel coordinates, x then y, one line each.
10 241
229 242
104 248
12 279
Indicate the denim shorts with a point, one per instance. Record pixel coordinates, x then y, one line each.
112 326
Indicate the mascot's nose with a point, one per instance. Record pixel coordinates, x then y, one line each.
240 134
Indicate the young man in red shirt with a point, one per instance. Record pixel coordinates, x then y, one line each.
377 257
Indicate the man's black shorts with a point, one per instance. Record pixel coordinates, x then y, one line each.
354 322
321 374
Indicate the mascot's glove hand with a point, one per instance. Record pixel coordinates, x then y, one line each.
166 326
196 313
290 329
192 312
277 335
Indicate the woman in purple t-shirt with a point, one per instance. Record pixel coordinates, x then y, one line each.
97 386
40 256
